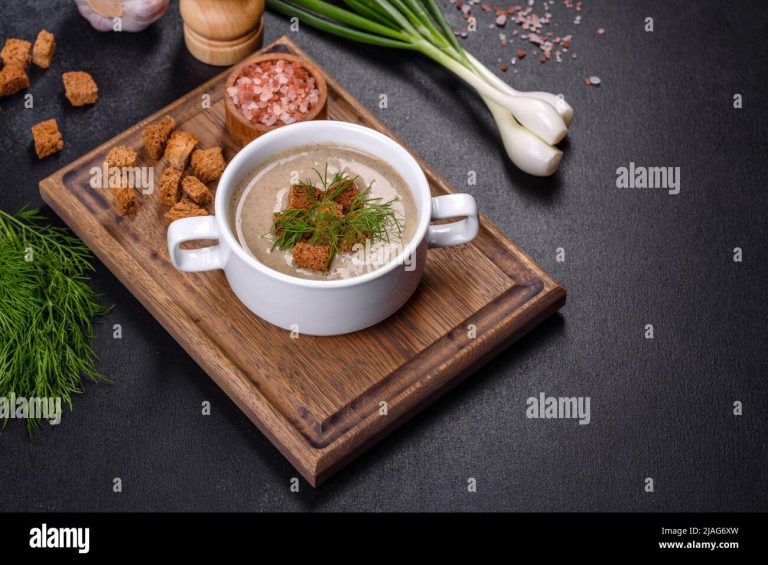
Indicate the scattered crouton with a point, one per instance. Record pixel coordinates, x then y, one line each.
80 88
303 196
155 136
170 186
13 78
42 51
47 138
308 256
208 164
197 191
121 156
178 149
345 193
183 209
121 179
126 202
16 52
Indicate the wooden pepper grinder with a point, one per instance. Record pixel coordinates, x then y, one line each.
222 32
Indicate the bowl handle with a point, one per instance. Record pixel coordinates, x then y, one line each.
194 260
455 233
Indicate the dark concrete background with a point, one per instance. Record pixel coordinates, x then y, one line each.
660 408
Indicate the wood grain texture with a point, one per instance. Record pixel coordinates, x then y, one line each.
316 398
222 32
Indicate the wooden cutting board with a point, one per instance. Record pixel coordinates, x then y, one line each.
320 400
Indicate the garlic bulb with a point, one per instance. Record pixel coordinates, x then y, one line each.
121 15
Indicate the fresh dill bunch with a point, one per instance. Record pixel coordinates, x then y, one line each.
367 218
289 227
46 311
370 218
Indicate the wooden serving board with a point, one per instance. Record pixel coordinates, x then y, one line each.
318 399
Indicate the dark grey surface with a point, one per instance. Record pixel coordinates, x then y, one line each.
660 409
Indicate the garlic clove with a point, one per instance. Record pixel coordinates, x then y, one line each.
99 22
142 13
107 8
121 15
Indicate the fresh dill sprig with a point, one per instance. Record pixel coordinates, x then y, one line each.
46 311
367 218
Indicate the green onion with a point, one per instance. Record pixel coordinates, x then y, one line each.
530 123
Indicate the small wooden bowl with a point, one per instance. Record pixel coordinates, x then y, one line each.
244 130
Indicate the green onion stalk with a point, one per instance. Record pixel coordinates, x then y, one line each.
530 123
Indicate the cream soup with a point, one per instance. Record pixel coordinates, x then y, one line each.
265 192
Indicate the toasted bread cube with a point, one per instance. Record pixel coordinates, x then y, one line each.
13 78
303 196
120 180
178 149
42 51
331 209
47 138
208 164
345 191
326 212
308 256
125 200
277 223
183 209
197 191
170 186
80 88
156 136
121 156
349 241
16 52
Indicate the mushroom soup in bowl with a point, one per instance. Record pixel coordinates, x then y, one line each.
323 212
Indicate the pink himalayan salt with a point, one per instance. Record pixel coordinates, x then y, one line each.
274 93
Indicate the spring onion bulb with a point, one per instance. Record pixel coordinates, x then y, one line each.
557 102
530 123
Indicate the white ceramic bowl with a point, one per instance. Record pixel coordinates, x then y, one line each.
312 306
